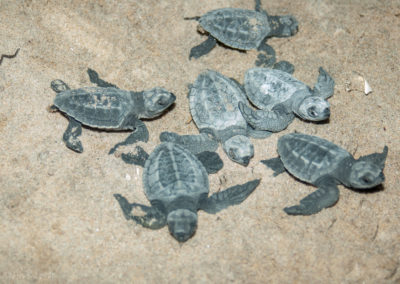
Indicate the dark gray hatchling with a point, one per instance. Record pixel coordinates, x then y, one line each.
176 184
213 102
245 30
325 165
279 96
108 108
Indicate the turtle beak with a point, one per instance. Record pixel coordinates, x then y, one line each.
245 161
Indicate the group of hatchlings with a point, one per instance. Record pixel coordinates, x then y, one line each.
175 176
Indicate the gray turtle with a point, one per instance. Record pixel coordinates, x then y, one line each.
176 184
325 165
213 102
279 95
245 30
108 108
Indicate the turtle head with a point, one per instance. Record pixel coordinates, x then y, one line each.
367 171
313 108
239 149
182 224
365 175
285 26
156 101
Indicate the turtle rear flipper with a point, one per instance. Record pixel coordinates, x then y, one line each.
139 158
325 85
59 86
276 120
283 26
140 133
231 196
203 48
325 196
284 66
71 134
154 218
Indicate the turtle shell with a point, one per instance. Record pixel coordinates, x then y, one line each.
266 87
172 171
309 157
214 100
97 107
237 28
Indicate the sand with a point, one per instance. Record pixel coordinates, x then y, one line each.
59 220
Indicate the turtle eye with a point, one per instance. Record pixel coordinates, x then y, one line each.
162 101
232 154
366 179
312 112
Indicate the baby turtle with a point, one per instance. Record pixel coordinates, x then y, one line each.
325 165
213 102
244 30
176 184
278 94
109 108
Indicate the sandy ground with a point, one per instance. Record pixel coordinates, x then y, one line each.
59 219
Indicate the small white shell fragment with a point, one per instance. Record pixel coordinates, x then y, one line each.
367 87
127 177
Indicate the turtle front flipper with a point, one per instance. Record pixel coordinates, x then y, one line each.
376 158
71 134
231 196
140 133
203 48
325 196
275 120
94 78
194 143
211 161
275 164
325 85
258 6
257 134
267 55
154 218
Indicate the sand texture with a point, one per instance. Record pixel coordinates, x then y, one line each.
59 220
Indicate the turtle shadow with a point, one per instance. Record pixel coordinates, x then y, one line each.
375 189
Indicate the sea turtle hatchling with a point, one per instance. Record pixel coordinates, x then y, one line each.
245 30
107 107
325 165
278 95
213 103
176 184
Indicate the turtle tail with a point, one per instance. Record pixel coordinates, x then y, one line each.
195 18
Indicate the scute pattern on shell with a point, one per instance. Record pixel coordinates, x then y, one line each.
237 28
95 106
266 87
172 171
309 157
214 101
